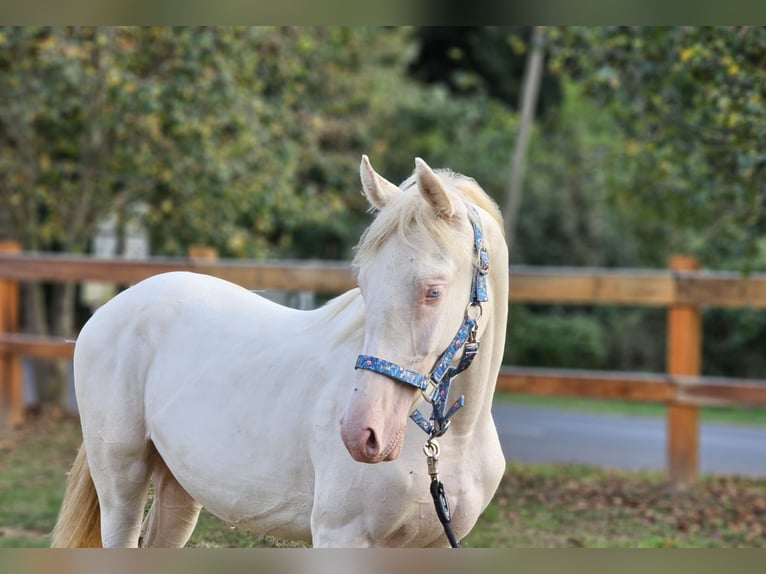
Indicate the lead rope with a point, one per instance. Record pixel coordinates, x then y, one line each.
431 450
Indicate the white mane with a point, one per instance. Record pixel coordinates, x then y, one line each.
409 211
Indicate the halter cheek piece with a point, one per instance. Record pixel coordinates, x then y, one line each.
436 384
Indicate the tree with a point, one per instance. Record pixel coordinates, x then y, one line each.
532 78
60 124
471 59
218 131
267 163
691 103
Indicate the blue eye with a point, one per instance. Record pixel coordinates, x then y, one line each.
434 293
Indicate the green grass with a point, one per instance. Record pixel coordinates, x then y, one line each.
728 415
33 467
537 505
212 533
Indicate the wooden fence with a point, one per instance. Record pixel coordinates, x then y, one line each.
682 290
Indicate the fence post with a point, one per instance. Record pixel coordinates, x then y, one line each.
684 346
11 399
202 252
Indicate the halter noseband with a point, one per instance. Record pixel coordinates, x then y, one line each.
439 379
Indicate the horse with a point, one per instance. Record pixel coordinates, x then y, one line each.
216 397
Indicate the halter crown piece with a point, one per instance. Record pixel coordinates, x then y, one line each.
439 379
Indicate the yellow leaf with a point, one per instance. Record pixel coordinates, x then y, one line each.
47 42
153 126
237 242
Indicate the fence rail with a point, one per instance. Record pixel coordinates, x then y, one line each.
682 289
641 387
589 286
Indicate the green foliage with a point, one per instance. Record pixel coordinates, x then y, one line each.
245 139
228 135
653 152
254 168
56 119
480 59
569 213
690 101
571 340
468 136
248 140
733 342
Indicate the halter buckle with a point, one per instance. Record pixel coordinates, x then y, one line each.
429 393
483 261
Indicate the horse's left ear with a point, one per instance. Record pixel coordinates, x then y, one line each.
432 189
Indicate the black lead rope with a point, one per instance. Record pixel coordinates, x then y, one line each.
431 450
442 511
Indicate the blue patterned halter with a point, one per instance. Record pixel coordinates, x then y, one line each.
440 378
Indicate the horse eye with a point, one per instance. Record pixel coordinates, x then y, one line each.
434 293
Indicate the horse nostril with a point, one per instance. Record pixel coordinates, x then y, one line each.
371 445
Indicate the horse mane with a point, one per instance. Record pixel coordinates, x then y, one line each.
408 210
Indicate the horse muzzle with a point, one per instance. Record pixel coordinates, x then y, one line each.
365 445
375 419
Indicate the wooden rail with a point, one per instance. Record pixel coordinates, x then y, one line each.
636 287
36 346
587 286
321 277
694 391
681 289
561 285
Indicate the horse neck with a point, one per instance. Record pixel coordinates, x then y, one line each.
339 323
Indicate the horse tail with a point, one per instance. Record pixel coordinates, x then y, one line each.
79 520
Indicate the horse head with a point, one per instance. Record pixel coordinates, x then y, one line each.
416 265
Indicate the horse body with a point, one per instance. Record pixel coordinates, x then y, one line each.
227 401
187 346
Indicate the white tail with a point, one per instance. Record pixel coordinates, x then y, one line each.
79 521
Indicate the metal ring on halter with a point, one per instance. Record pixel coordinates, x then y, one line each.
483 268
439 430
474 305
430 391
431 448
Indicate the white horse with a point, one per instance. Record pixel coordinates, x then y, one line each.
224 400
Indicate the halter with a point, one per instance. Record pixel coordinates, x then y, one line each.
436 384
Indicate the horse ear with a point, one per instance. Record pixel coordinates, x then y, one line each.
376 189
432 189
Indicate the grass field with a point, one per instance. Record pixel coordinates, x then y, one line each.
548 506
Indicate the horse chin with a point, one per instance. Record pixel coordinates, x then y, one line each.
394 448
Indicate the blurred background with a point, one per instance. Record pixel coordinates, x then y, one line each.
642 142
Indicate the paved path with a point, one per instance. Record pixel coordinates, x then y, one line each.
540 434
